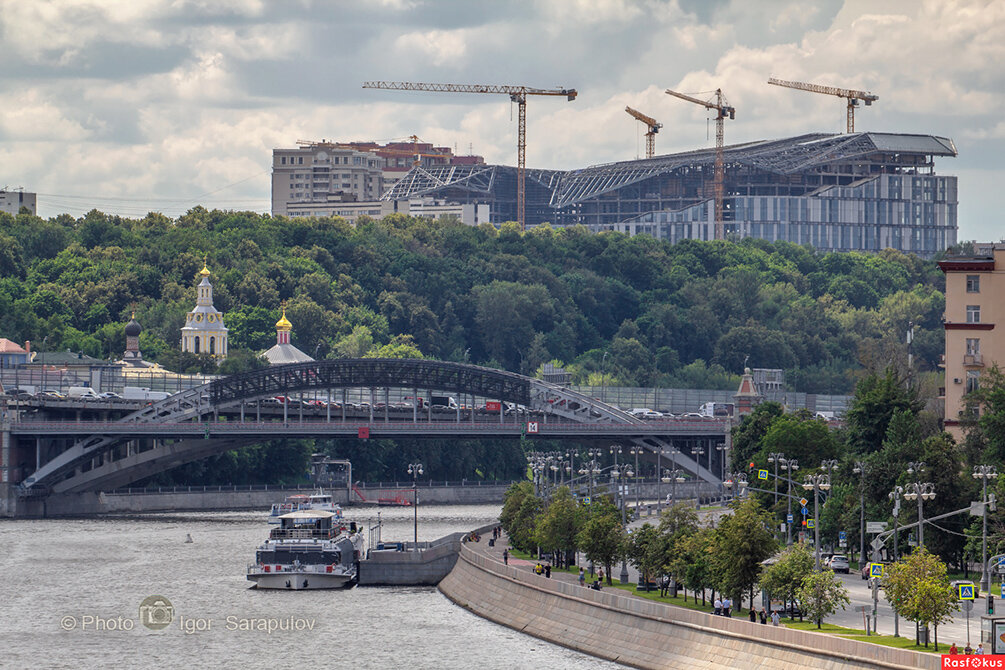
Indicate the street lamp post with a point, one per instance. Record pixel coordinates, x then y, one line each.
776 458
984 473
603 379
736 480
635 451
619 474
920 491
817 483
790 465
859 469
894 495
415 469
696 453
673 475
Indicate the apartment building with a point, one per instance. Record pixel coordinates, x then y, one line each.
975 286
12 201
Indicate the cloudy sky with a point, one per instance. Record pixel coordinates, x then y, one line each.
138 105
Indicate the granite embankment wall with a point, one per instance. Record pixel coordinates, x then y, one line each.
222 498
646 634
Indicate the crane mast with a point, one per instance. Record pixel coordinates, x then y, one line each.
517 94
851 95
722 110
652 126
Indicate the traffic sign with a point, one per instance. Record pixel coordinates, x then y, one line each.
875 526
966 591
804 502
532 426
842 543
876 543
788 517
968 606
1003 589
586 500
762 474
875 569
842 535
811 523
805 511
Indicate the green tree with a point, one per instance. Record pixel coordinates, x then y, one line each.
645 551
559 524
693 564
918 590
821 594
785 576
877 399
742 541
603 538
748 435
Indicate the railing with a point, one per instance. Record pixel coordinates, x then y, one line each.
117 427
302 534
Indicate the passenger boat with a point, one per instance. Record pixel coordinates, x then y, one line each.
319 500
311 549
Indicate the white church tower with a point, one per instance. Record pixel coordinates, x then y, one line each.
204 332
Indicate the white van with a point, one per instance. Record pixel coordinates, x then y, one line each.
82 393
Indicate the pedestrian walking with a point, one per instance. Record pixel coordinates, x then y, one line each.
953 650
753 615
582 577
547 570
968 650
763 615
980 649
727 606
664 586
505 556
775 618
600 575
717 605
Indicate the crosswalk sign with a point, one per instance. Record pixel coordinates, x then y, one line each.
762 474
586 500
811 523
875 569
966 591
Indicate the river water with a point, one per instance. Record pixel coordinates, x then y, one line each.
71 592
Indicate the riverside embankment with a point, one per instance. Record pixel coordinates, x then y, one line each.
647 634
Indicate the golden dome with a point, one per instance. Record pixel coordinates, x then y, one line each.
284 323
205 266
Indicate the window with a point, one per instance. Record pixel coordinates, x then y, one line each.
973 346
973 313
283 160
973 380
973 283
301 160
212 345
196 350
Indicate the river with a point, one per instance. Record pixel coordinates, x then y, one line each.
72 590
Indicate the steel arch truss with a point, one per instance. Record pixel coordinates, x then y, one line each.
202 403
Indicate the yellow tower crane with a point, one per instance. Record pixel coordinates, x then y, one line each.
722 109
852 95
517 94
652 126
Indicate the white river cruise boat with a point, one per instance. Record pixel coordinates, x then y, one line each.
311 549
319 500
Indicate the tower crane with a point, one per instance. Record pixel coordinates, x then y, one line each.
653 128
852 95
517 94
722 109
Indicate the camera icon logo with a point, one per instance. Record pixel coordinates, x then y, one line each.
156 612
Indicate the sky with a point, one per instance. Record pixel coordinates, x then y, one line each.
132 106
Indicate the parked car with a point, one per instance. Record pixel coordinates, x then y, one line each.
957 583
839 563
110 395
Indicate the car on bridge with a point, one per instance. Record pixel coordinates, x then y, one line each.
645 413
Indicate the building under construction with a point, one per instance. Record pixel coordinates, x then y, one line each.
849 192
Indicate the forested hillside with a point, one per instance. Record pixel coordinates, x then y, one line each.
682 315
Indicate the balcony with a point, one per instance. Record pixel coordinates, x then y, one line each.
973 360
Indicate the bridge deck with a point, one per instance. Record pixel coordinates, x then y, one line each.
376 428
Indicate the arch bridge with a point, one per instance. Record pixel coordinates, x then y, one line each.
239 410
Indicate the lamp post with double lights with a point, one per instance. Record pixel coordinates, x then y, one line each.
635 451
619 474
415 469
817 483
737 480
775 458
920 491
984 473
895 495
673 475
789 465
722 448
859 469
